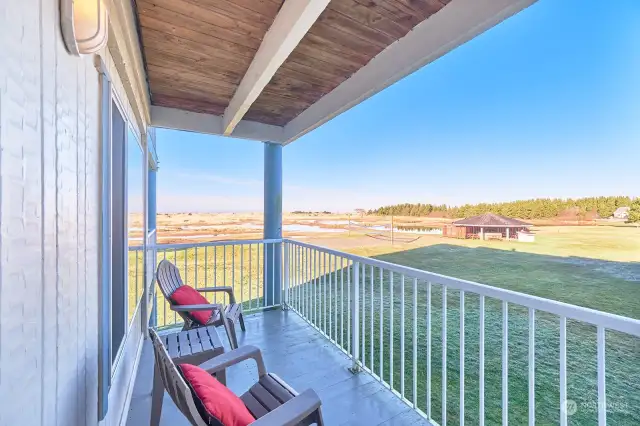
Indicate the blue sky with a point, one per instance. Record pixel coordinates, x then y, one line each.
546 104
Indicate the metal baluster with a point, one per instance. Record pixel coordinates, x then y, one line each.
602 395
224 265
355 324
206 269
298 280
316 278
306 283
391 343
175 261
250 275
349 304
342 302
402 353
196 271
415 343
532 367
563 371
335 300
481 362
241 274
444 356
429 350
215 266
363 337
164 316
461 358
273 274
136 272
330 298
233 269
324 302
371 319
505 363
381 336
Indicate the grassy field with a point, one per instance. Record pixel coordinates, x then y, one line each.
595 267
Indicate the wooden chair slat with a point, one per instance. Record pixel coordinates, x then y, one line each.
205 339
253 405
184 345
172 345
195 340
264 397
274 387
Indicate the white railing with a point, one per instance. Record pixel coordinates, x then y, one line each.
495 350
238 264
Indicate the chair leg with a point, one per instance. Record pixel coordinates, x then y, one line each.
241 320
231 332
157 394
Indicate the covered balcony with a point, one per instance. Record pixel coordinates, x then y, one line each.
380 343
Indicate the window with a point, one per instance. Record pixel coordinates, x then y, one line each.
122 222
119 251
135 222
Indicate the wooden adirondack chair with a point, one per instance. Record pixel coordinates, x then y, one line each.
168 277
271 401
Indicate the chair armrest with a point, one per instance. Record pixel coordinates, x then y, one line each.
228 290
291 412
234 357
191 308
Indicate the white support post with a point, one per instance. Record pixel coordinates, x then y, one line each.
355 318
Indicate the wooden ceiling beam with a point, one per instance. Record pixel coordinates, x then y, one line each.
292 23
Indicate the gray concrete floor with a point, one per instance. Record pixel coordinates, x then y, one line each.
303 358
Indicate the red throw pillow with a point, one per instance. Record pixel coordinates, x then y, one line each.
219 404
186 295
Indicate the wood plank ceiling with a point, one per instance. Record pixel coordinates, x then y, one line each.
197 51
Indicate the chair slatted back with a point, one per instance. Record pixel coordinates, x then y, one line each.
168 277
173 382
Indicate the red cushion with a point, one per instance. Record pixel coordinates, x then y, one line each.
186 295
216 399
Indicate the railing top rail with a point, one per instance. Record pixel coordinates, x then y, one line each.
213 244
183 246
591 316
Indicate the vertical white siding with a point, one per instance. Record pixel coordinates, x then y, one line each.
49 230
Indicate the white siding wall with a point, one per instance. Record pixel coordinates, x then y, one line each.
49 212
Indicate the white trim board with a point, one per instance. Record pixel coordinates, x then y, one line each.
455 24
177 119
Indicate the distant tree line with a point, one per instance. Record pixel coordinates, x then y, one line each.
539 208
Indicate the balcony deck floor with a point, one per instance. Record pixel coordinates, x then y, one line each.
303 358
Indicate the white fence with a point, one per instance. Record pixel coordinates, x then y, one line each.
457 351
415 331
